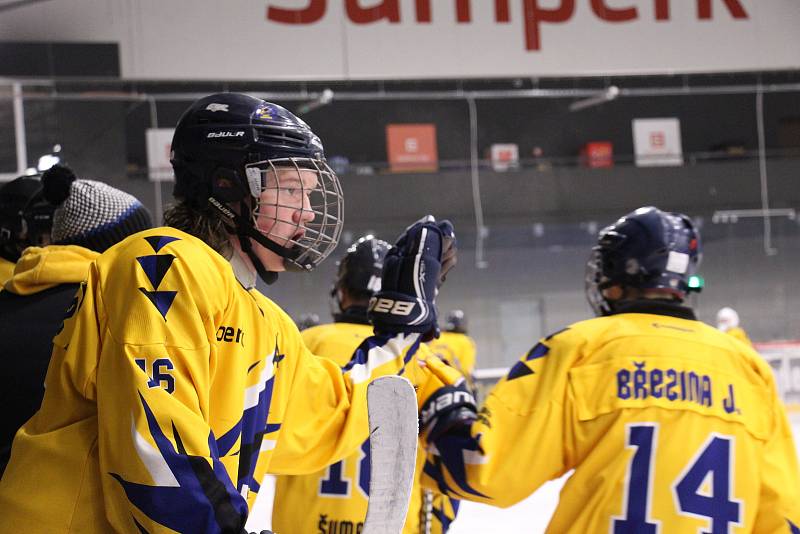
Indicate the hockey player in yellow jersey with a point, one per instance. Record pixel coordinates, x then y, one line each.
454 344
174 380
728 322
89 217
667 424
335 498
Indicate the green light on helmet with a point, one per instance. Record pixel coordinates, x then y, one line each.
696 283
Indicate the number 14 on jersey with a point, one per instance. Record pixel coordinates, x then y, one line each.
703 490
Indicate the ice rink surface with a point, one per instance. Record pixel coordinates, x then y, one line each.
529 516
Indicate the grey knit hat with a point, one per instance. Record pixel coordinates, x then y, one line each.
90 213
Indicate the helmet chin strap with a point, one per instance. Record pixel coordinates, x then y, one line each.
244 230
269 277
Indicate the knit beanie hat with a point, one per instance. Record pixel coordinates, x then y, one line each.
91 214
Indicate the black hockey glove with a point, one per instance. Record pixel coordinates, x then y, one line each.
413 271
450 409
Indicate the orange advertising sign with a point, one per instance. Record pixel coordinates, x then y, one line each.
412 147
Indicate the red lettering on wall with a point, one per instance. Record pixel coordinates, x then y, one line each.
501 13
611 14
308 15
388 9
424 11
662 9
535 14
736 9
463 11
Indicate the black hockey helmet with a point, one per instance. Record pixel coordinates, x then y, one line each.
646 249
359 271
229 146
25 216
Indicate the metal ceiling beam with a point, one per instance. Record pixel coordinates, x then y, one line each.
344 95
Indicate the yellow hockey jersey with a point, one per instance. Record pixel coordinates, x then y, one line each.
457 349
6 270
41 268
738 332
668 424
334 499
168 389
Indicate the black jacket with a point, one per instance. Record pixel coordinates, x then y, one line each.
32 309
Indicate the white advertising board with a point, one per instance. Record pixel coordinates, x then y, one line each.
352 39
657 142
159 141
505 156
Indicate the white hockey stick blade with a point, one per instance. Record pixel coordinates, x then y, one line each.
393 427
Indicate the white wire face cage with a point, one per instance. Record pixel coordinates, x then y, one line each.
592 282
298 204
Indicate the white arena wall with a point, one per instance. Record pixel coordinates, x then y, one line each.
344 39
